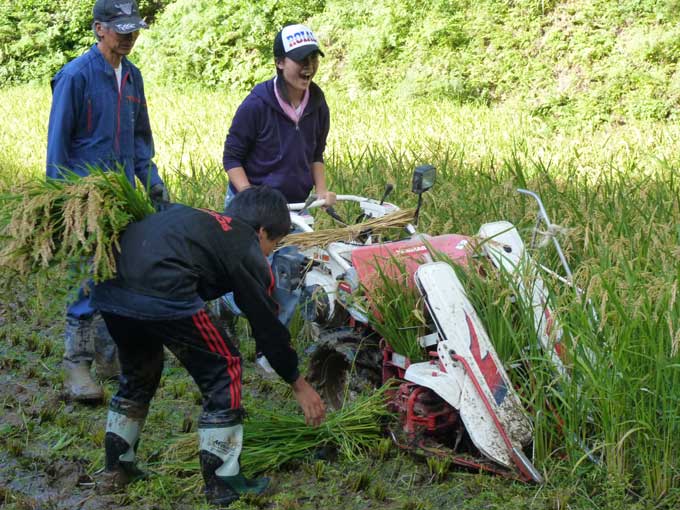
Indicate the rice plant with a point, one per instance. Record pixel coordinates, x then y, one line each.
274 438
396 308
613 187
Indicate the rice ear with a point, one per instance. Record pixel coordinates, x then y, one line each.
63 222
377 226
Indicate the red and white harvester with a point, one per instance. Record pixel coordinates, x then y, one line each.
459 403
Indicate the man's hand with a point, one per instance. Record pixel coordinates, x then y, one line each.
310 402
160 198
328 196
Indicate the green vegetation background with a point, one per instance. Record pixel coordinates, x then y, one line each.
594 59
577 100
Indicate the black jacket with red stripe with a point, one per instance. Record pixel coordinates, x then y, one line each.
171 262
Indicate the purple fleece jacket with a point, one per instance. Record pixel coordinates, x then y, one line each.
271 148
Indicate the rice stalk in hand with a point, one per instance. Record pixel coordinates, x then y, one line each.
273 438
64 222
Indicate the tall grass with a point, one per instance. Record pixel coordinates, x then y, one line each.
396 309
369 136
615 190
620 404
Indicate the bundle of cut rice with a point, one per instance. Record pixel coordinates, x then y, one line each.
376 226
74 220
272 438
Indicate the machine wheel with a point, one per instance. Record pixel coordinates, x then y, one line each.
343 364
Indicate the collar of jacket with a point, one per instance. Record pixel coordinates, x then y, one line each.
265 91
126 67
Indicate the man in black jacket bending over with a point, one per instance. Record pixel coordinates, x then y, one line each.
170 263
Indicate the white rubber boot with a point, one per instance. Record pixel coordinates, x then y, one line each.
120 444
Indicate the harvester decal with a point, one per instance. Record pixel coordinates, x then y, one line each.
487 366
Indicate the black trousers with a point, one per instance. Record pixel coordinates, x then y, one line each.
199 345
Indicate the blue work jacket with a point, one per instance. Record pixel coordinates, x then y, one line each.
93 123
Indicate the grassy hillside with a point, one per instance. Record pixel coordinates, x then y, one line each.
594 59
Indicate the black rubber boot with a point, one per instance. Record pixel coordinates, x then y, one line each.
119 472
224 490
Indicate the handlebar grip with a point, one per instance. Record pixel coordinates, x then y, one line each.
302 205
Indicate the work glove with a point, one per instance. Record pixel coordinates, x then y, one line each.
160 198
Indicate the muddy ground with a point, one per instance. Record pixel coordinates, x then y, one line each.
51 450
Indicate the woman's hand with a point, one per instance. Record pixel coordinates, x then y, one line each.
328 196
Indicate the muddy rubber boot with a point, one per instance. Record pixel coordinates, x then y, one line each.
106 361
220 449
120 445
78 355
120 473
79 383
123 427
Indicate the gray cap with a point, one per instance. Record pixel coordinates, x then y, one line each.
122 15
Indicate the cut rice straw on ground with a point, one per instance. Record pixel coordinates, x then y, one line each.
273 438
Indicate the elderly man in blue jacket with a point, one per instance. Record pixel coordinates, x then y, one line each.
99 119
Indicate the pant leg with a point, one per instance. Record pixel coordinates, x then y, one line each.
140 351
141 364
228 196
286 264
80 307
205 350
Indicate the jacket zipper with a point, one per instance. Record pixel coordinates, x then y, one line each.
306 113
297 123
120 97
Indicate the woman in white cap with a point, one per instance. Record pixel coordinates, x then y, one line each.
278 134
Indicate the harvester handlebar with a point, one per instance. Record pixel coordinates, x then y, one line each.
299 206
